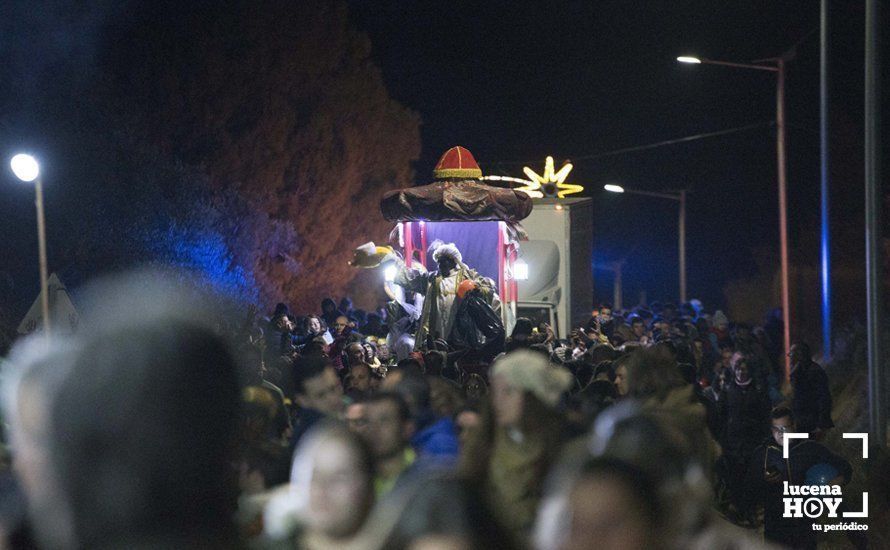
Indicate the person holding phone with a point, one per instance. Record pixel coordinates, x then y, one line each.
767 470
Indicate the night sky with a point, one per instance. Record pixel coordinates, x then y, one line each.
517 81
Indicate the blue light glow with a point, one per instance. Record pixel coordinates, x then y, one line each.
206 254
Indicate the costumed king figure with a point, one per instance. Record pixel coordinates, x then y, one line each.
442 305
439 289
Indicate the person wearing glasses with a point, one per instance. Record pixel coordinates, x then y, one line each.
767 470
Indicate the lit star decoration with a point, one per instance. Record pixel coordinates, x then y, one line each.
550 177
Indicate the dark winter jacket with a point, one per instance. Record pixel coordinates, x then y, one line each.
803 454
744 417
812 399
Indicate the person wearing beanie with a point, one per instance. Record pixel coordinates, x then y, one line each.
529 372
521 434
720 321
719 333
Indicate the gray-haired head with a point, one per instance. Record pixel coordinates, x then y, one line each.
32 377
137 418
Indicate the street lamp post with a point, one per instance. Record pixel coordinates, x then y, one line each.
617 290
617 269
681 224
778 67
680 197
26 169
874 280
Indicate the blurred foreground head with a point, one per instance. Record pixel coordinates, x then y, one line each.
332 484
128 426
637 481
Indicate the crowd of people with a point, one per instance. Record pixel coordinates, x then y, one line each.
655 427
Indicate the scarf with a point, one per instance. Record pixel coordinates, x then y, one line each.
738 379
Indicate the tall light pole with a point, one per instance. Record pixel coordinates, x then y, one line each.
680 197
824 187
617 290
777 66
25 168
617 269
874 279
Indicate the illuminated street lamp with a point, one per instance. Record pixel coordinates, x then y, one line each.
699 61
26 168
680 197
777 65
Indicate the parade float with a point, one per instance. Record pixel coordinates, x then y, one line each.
547 278
482 220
